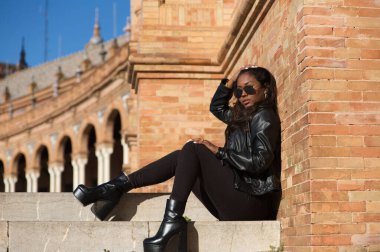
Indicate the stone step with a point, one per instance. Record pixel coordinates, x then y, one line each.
64 207
116 236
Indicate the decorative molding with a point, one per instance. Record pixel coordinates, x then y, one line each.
30 147
53 138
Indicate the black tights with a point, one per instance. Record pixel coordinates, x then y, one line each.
197 169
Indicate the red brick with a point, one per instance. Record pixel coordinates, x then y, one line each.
320 207
363 64
372 185
331 151
329 129
369 12
371 75
366 239
331 240
358 119
323 20
363 43
348 74
362 3
372 141
373 228
324 249
325 229
349 140
370 54
350 185
367 22
368 173
352 207
323 140
331 218
373 206
323 185
372 96
365 152
326 196
352 228
330 174
321 118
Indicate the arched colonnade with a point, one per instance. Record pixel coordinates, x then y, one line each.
91 153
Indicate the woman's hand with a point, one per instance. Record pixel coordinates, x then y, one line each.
212 147
233 79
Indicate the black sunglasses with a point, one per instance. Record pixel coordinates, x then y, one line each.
249 90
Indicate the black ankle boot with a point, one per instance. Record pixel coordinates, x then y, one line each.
172 225
105 196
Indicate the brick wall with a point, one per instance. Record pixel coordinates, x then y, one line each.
325 57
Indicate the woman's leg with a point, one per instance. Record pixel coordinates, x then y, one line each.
155 172
215 187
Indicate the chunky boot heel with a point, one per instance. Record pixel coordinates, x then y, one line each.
182 243
172 226
80 194
106 196
102 208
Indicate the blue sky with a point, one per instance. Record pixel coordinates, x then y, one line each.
70 26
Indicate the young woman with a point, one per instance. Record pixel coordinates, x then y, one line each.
240 181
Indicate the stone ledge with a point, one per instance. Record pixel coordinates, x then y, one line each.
128 236
64 207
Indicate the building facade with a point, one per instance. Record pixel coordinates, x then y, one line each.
127 102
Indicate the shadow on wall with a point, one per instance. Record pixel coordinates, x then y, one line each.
2 186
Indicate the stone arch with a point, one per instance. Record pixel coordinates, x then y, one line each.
19 167
2 171
67 134
88 145
65 150
42 162
81 143
113 134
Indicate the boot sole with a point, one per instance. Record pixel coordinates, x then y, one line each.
180 238
81 196
102 208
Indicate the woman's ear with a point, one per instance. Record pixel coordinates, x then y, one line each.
266 93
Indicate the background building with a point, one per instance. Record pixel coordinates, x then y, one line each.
124 103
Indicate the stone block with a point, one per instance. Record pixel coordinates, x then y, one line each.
3 236
129 236
64 207
43 207
77 236
229 235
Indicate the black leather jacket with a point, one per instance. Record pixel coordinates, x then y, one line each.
254 154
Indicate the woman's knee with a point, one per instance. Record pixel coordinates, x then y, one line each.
189 146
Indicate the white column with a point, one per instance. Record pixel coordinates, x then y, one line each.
58 169
125 153
10 183
78 171
103 154
28 182
75 165
34 176
6 185
107 163
52 178
99 155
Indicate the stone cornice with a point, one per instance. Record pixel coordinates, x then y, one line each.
247 19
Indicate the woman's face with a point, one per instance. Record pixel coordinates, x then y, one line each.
249 100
